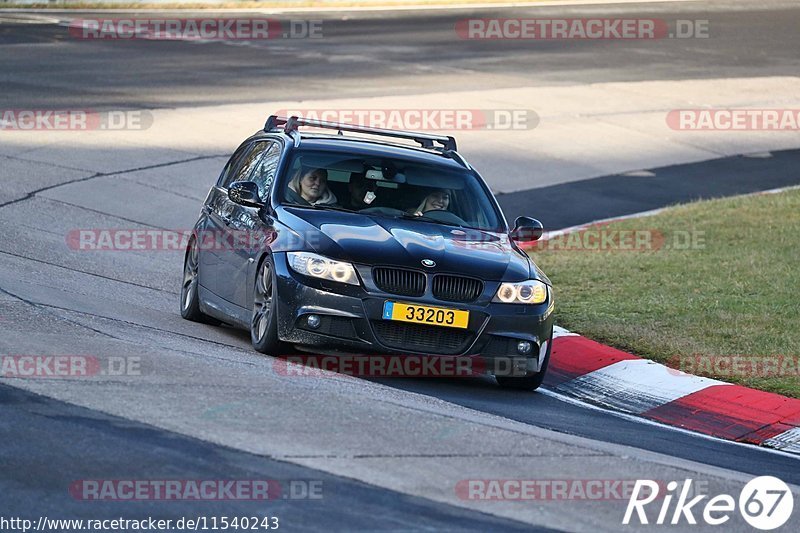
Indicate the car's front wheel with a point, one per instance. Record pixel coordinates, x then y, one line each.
264 324
530 381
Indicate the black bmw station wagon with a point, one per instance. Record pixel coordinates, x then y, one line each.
376 242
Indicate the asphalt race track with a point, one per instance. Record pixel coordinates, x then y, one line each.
388 453
50 436
380 53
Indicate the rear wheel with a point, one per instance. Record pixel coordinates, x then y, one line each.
190 299
264 324
530 381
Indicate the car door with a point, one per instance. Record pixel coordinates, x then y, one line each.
217 209
246 228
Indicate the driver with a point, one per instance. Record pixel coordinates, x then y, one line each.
437 200
358 187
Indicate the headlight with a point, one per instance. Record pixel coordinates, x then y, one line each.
524 292
318 266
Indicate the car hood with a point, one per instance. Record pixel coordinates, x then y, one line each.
381 240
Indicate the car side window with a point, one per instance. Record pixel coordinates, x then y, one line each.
232 163
266 168
241 167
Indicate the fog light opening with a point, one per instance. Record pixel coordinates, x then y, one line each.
524 347
313 321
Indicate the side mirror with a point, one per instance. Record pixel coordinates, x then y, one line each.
245 193
527 229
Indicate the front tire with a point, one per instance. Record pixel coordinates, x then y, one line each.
264 324
531 381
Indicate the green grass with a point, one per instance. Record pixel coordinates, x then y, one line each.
736 293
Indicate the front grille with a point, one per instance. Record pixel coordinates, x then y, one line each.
419 338
399 281
456 288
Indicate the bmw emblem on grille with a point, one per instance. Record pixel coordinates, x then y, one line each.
430 263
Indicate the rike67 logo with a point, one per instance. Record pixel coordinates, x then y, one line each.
765 503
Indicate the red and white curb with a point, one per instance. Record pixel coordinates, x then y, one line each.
586 370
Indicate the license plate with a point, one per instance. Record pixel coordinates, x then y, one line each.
423 314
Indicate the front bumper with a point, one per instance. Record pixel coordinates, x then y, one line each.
351 322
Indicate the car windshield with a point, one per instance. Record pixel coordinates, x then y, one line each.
388 187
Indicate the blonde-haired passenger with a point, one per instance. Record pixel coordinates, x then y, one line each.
312 186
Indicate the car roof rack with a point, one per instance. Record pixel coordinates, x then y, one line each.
426 140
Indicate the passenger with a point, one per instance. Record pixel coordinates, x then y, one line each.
439 200
359 189
312 186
